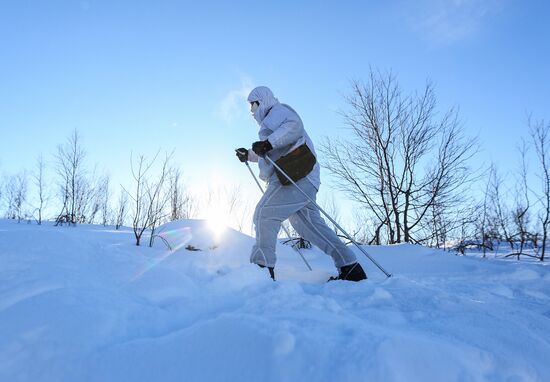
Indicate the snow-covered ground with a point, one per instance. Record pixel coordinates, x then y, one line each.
85 304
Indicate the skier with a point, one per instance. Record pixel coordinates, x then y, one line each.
284 140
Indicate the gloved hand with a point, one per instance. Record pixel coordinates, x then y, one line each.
242 154
261 147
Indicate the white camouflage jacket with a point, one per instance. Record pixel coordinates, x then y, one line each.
284 129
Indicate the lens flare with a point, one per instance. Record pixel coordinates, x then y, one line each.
175 240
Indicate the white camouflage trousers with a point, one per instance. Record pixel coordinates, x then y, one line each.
287 202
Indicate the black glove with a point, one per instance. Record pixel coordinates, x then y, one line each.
242 154
261 147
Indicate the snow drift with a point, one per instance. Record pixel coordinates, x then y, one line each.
85 304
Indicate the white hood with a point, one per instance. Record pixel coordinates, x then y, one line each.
267 100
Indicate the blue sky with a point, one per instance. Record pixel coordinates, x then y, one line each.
143 75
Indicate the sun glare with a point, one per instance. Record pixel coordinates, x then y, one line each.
217 222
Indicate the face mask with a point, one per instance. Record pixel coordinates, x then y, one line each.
254 106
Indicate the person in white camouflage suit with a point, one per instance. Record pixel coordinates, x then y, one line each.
281 132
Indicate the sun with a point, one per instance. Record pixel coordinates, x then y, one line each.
217 221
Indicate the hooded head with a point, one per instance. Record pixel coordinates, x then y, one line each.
264 96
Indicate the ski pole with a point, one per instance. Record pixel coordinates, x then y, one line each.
327 215
284 228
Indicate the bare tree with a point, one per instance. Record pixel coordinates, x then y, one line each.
16 187
501 214
159 198
182 204
364 229
540 134
40 184
483 219
520 213
96 197
402 160
102 198
10 196
21 193
464 224
75 190
139 213
121 210
176 198
147 197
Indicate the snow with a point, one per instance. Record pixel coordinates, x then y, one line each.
85 304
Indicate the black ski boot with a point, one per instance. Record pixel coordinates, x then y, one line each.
271 271
352 272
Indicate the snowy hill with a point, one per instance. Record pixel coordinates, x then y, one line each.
85 304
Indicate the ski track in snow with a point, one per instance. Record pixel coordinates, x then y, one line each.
84 303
